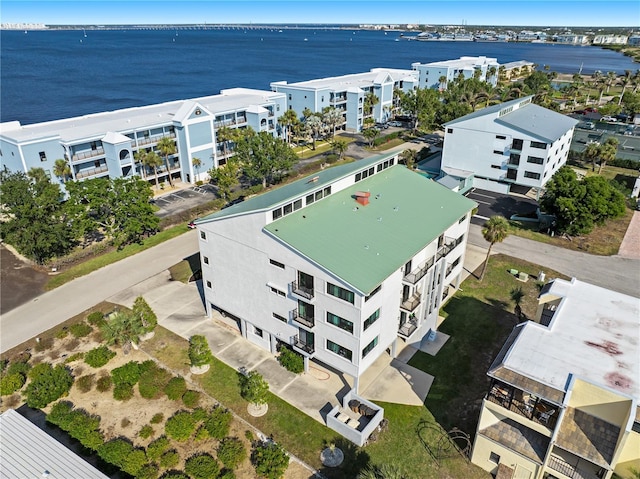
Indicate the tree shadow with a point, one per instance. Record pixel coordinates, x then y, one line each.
355 459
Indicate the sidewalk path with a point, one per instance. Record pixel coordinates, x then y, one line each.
630 247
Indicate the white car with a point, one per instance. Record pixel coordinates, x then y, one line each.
609 119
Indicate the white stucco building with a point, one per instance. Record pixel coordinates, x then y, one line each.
513 143
431 75
342 266
565 389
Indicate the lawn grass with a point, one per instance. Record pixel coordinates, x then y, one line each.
105 259
387 145
186 269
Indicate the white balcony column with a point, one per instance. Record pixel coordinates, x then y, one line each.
274 343
306 363
243 328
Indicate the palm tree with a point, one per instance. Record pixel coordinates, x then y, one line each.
123 329
167 147
197 163
224 135
332 118
611 78
149 159
495 230
62 169
516 296
315 125
339 145
608 152
370 100
625 80
287 121
592 152
409 157
443 82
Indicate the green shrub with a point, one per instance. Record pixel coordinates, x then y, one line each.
152 382
174 475
73 357
148 471
270 460
122 392
115 451
85 383
157 418
231 452
249 435
98 357
175 388
11 383
200 414
253 387
96 319
218 422
47 384
157 447
80 330
134 462
42 344
169 459
147 365
143 311
62 333
199 352
191 398
19 368
104 383
128 373
201 466
180 426
291 360
146 432
78 423
201 433
227 474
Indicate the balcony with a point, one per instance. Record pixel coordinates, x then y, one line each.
147 140
411 303
91 172
515 400
408 328
448 247
570 470
302 291
307 321
303 346
83 155
418 273
517 145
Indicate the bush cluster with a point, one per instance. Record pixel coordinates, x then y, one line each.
128 373
175 388
291 360
157 448
253 387
180 426
146 432
96 319
122 392
73 357
10 383
153 381
218 422
47 384
270 460
122 454
80 330
202 466
78 423
98 357
157 418
170 459
191 398
85 383
231 452
104 383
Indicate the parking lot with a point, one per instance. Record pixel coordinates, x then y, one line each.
184 199
492 204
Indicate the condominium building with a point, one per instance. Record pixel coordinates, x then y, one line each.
437 75
347 94
571 38
610 39
512 143
513 70
342 265
564 390
106 144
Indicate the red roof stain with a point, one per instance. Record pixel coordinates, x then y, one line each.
618 381
606 346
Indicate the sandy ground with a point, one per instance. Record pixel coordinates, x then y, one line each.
19 281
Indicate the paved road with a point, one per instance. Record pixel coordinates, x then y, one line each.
612 272
54 307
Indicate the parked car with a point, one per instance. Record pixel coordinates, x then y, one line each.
609 119
382 126
191 225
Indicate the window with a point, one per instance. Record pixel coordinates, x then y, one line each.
358 176
371 319
206 260
495 458
535 160
326 191
277 213
341 293
340 322
450 130
318 195
257 331
310 199
289 96
277 291
373 292
288 208
276 263
461 220
370 346
339 350
203 235
537 144
497 152
209 284
43 156
281 318
496 167
297 204
501 137
531 174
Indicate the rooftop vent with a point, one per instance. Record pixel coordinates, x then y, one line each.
362 197
314 179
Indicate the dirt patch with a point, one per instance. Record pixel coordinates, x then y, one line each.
20 281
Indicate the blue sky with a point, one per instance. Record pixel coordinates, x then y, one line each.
470 12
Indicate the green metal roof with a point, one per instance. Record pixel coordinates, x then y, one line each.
287 192
363 245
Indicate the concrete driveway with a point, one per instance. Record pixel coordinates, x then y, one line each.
491 204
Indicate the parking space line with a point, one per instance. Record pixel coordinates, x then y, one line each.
481 202
486 196
481 217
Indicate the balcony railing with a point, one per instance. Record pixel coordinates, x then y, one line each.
563 467
307 321
87 154
303 345
146 140
448 247
303 291
408 328
418 273
411 303
532 410
91 172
